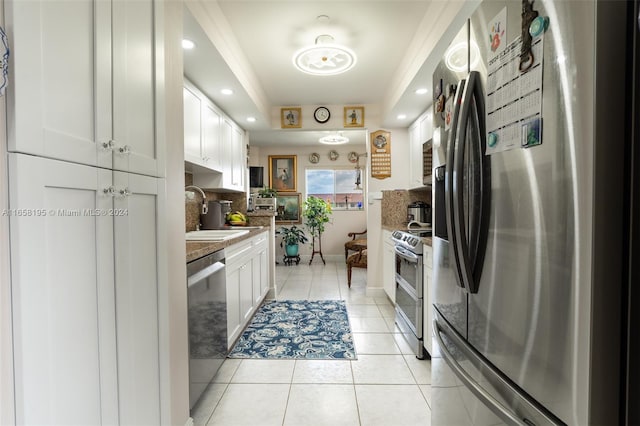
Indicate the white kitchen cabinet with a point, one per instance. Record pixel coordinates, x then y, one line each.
427 273
213 143
89 90
192 125
85 282
238 256
62 293
202 121
138 218
419 133
388 266
246 291
260 267
246 274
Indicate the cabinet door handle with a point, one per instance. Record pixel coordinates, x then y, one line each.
107 146
124 192
109 192
124 150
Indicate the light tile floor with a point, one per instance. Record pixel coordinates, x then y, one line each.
385 386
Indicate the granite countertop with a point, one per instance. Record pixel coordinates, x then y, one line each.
261 213
425 240
198 249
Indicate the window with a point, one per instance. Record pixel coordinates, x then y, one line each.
337 186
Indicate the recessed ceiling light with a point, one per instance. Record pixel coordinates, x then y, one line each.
421 91
188 44
251 119
226 91
323 18
402 116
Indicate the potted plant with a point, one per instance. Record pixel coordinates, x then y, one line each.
291 238
316 213
267 193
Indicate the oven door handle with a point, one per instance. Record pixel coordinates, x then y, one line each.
206 272
406 254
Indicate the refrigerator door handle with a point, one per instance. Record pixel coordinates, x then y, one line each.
493 404
470 232
449 183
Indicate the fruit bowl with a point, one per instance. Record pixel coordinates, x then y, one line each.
237 223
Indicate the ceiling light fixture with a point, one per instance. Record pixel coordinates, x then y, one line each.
402 116
324 57
456 56
226 91
336 139
251 119
421 91
188 44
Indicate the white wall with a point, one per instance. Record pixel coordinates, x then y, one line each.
342 222
174 342
6 348
400 174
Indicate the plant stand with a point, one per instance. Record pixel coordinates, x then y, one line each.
288 260
319 251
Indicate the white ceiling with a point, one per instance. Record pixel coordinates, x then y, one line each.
247 45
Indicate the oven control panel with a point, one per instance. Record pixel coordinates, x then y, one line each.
408 241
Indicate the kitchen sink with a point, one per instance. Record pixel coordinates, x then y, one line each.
215 234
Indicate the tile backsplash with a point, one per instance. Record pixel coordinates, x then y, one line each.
394 205
192 207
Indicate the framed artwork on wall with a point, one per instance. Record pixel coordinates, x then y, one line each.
283 173
290 118
354 116
288 208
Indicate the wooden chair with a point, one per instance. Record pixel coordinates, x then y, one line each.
356 260
355 244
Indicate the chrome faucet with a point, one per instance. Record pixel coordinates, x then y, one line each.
204 197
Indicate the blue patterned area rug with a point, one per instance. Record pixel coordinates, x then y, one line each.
298 329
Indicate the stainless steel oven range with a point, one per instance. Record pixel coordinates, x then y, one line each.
410 288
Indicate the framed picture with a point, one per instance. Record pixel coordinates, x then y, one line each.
283 173
288 208
290 118
354 116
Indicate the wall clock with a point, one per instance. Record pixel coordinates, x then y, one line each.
321 114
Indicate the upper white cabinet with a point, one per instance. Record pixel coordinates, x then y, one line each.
202 121
86 84
213 143
419 133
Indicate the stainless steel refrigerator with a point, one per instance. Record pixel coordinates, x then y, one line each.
529 111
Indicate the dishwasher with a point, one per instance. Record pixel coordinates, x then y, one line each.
207 300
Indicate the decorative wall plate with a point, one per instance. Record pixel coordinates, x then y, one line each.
333 155
353 157
314 157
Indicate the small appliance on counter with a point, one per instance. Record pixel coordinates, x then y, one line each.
265 203
420 212
215 217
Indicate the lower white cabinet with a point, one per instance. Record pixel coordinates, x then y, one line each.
85 258
388 266
247 282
